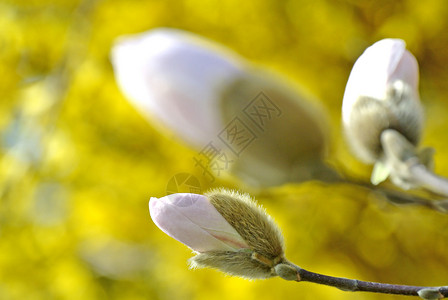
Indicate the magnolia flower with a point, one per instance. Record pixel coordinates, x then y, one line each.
227 230
199 90
383 117
382 93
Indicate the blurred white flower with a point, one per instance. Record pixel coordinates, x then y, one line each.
268 131
176 77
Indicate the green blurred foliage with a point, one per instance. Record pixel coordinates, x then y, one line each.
78 163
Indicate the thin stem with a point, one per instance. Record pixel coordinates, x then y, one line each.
399 197
395 196
430 181
355 285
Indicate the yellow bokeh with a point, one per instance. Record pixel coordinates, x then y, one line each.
78 163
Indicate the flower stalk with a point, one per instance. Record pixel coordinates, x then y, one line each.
355 285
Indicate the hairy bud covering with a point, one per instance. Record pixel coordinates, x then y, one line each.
227 229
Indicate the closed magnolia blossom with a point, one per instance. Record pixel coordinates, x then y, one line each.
227 230
205 94
382 93
383 117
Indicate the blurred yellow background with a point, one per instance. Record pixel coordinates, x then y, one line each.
79 164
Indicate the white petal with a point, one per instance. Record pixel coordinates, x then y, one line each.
192 220
177 78
376 69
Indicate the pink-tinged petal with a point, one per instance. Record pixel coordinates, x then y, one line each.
406 70
177 78
382 64
193 221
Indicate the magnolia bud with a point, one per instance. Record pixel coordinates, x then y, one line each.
382 93
227 229
430 294
198 89
287 272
